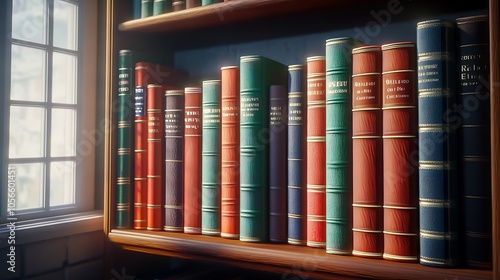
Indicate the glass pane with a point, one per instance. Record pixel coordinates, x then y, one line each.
65 25
28 74
64 78
29 182
63 140
29 20
62 183
26 132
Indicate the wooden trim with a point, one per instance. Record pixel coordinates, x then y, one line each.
281 258
494 15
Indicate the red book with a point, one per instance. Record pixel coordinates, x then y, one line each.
399 132
155 110
146 73
316 152
230 152
192 160
367 181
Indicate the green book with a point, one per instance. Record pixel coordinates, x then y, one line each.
338 145
146 8
208 2
257 73
210 158
161 7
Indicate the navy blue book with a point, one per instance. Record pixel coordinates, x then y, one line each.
474 139
438 188
278 111
297 186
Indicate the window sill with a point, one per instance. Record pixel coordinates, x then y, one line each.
53 227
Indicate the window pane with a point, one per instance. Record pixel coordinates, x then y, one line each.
27 132
65 25
29 20
64 78
29 185
62 183
63 141
27 74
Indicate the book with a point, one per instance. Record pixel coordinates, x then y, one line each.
155 176
136 9
174 161
437 162
230 152
161 7
178 5
257 73
278 110
297 156
367 178
400 153
474 139
338 145
192 3
146 8
192 160
316 151
209 2
210 158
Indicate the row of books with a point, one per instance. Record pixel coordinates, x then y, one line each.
374 151
147 8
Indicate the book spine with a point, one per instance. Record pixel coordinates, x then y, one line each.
174 160
297 157
209 2
278 111
192 3
140 158
124 140
192 160
146 8
338 146
367 179
154 101
399 133
210 158
316 151
178 5
230 152
474 137
136 9
438 197
161 7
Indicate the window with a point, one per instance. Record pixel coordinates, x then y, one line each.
48 129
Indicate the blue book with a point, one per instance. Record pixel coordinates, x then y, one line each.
438 188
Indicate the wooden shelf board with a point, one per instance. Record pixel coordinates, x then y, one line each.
280 258
225 13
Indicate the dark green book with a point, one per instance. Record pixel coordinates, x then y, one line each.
146 8
257 73
208 2
210 158
161 7
338 145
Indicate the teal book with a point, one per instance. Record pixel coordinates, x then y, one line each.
146 8
211 158
209 2
161 7
338 145
257 73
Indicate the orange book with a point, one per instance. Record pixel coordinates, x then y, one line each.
367 181
155 168
316 152
399 132
230 152
192 160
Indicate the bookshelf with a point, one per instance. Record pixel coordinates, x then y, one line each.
238 24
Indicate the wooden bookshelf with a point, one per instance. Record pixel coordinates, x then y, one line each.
279 258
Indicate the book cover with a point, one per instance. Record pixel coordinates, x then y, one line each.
174 160
367 179
257 73
146 8
155 169
230 152
297 156
210 158
278 111
192 160
474 139
338 145
400 153
437 162
161 7
316 151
